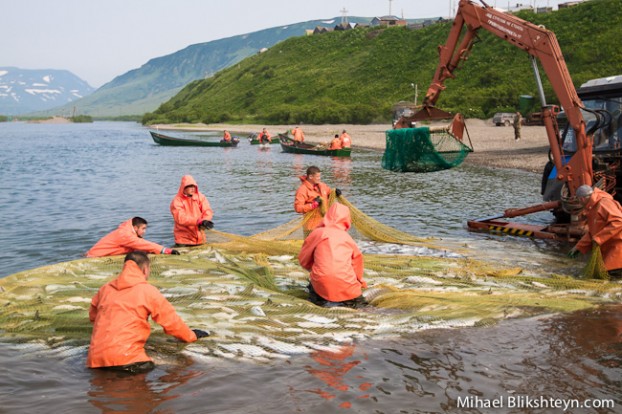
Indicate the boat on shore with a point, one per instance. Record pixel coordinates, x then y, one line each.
186 142
293 147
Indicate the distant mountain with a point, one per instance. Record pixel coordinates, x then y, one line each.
144 89
28 90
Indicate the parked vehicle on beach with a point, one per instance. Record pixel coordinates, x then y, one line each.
503 118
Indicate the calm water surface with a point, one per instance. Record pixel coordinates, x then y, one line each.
62 187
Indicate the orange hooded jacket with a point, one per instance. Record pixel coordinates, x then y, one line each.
333 258
119 313
305 196
346 141
188 213
604 221
298 134
123 240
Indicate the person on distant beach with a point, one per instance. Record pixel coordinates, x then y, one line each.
335 144
226 136
346 140
264 137
128 237
518 119
192 214
334 260
298 135
604 221
120 313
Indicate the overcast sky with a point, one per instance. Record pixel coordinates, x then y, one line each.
98 40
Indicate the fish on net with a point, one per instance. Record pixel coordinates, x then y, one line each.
251 294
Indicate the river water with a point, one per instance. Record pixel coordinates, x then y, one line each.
63 187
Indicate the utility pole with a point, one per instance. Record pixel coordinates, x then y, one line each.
390 1
344 15
416 87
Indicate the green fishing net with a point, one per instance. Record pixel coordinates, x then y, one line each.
250 293
421 150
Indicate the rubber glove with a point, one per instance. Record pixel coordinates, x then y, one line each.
337 192
200 334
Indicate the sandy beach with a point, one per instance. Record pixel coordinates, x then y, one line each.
493 146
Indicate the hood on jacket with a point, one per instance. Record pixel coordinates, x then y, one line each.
338 216
130 276
187 180
596 196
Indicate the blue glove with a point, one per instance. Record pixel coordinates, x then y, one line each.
200 334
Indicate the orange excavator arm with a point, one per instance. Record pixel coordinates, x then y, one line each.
539 43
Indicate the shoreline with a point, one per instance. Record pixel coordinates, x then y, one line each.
493 146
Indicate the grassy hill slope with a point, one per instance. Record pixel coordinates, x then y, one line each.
356 76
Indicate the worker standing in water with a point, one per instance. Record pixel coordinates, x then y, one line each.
334 260
120 313
191 212
310 196
128 237
604 222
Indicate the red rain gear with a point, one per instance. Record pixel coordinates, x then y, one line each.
604 221
119 313
333 258
305 196
298 134
346 141
188 213
123 240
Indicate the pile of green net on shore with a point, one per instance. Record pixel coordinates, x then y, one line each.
250 293
422 150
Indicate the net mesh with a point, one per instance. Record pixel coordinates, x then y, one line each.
421 150
595 267
250 293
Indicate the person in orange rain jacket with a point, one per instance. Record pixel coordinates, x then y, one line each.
298 135
264 137
120 311
192 214
335 143
311 194
604 221
226 136
346 141
128 237
334 260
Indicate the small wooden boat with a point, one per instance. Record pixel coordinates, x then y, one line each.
185 142
252 138
293 147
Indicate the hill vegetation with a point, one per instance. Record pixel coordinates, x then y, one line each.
356 76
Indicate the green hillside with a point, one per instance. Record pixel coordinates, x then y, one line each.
356 76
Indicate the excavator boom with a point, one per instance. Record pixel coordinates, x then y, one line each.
541 44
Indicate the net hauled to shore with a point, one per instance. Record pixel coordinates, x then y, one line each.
422 150
250 293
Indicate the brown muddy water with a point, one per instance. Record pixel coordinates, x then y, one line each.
62 187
